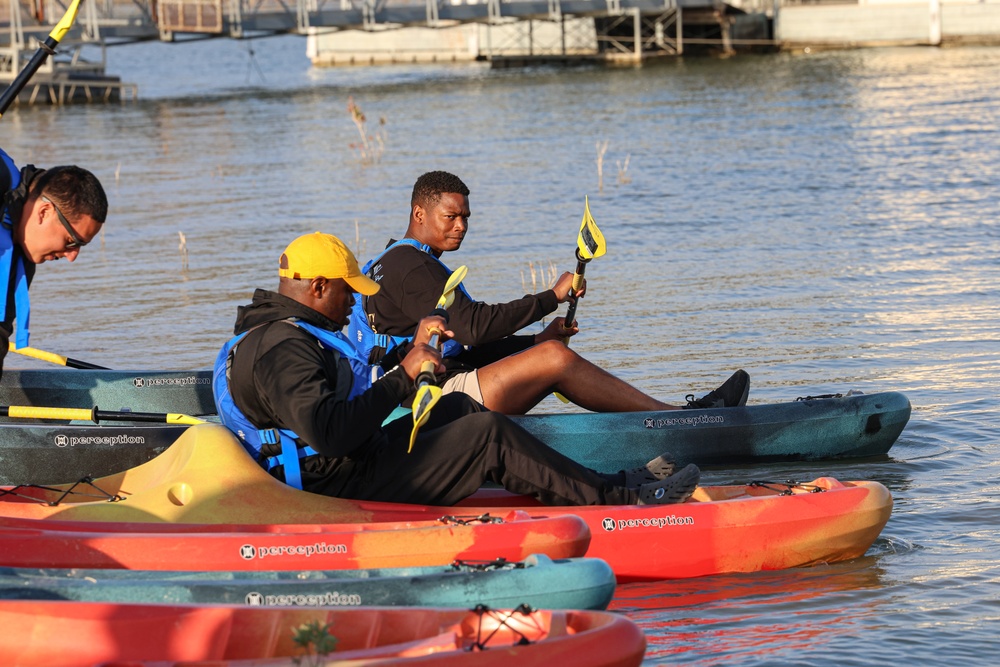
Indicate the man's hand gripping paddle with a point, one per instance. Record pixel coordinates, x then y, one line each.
429 393
589 244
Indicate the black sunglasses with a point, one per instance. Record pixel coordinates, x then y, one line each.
77 242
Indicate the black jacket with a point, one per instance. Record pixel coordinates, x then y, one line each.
282 377
411 283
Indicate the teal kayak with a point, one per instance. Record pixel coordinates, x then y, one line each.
55 452
538 581
185 392
855 425
811 429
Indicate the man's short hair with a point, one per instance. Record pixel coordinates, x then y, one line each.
75 190
428 189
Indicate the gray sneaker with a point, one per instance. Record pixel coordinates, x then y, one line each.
674 489
661 467
732 393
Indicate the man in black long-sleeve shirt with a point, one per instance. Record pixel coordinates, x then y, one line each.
505 372
289 369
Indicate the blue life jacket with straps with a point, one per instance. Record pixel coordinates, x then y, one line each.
13 276
272 447
361 330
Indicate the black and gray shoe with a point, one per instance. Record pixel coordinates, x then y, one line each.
674 489
733 393
661 467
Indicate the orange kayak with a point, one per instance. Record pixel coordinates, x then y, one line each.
207 477
68 634
220 547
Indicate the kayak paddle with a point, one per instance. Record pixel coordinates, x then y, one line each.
47 48
589 244
55 358
95 415
429 393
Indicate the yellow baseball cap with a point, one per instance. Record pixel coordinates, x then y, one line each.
324 255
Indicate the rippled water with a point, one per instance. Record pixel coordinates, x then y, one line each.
828 222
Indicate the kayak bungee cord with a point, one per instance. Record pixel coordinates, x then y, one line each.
785 488
89 481
467 519
460 565
501 619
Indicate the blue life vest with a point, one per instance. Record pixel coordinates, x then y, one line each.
254 439
361 331
9 255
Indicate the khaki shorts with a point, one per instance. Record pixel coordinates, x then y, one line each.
467 383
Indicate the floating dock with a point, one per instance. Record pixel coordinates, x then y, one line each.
61 87
65 78
506 33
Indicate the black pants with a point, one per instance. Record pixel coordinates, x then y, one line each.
463 446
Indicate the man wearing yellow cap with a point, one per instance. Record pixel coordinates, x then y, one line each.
304 404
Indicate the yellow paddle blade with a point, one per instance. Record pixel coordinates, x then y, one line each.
413 437
177 418
556 393
454 280
51 357
429 394
590 242
427 397
66 22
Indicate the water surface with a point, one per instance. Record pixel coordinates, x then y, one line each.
827 222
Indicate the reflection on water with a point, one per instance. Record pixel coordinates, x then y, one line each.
714 619
826 222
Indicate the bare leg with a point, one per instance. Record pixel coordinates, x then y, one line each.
519 382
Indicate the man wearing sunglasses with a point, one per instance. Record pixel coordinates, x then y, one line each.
47 214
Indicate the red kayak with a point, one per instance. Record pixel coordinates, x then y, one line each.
162 546
207 477
71 634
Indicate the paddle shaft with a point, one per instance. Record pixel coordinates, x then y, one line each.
47 48
426 374
54 358
95 415
428 393
581 266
